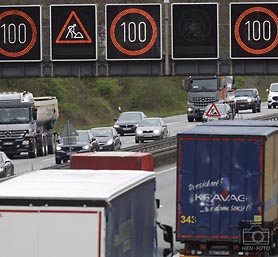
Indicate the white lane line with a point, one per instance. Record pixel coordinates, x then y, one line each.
163 171
49 159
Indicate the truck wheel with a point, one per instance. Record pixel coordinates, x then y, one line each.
259 108
254 109
190 119
52 145
41 150
34 152
58 161
46 149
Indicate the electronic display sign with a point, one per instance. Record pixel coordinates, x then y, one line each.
73 30
253 30
195 31
20 33
133 32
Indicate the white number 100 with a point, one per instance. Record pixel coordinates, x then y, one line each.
133 31
257 30
14 34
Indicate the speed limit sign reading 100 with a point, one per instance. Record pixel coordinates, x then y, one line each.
253 30
133 32
20 33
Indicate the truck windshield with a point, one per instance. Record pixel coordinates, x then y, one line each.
204 85
14 115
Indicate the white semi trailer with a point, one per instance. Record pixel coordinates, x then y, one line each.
72 213
26 124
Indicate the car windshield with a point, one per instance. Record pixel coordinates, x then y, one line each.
244 93
82 137
274 87
102 132
130 116
149 122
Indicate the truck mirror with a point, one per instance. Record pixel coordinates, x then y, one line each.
157 201
35 114
168 237
168 234
185 84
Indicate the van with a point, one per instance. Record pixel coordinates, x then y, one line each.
272 99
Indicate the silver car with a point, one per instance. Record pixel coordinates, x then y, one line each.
151 129
6 166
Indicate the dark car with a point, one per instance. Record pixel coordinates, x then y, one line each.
217 111
82 141
6 166
108 138
248 98
151 129
127 122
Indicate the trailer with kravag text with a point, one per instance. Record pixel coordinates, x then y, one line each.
227 190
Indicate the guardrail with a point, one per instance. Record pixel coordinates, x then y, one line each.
164 150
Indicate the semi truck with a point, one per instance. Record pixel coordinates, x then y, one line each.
26 124
227 189
88 213
205 90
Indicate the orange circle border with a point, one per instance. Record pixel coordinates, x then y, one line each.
116 43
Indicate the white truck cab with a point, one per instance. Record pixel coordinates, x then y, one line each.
272 99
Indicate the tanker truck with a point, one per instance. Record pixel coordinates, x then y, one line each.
26 124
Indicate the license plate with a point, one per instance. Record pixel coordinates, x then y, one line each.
212 118
8 143
218 252
126 128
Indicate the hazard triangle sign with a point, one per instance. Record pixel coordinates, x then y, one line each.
73 31
213 111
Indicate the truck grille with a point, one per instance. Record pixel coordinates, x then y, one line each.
12 134
275 98
203 101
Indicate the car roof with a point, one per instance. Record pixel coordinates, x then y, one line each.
152 118
132 112
102 128
241 89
